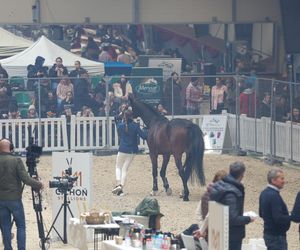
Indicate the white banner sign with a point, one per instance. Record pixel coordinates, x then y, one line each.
214 130
80 195
169 65
218 226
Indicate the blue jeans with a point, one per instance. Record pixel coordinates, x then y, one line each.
15 209
277 242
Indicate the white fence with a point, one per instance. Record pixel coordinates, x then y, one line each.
94 133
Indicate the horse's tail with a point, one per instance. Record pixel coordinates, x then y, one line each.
194 155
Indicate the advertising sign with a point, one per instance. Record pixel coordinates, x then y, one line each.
214 130
169 65
218 226
66 168
147 84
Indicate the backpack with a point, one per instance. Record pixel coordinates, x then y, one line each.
148 206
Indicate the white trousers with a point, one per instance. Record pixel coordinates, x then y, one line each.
122 164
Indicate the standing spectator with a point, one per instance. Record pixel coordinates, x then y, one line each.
161 109
167 92
193 97
274 212
5 91
265 106
128 132
218 97
76 72
104 55
123 57
3 73
81 92
202 208
41 103
230 103
295 215
92 49
248 101
57 71
68 102
12 177
14 113
295 117
36 71
63 88
230 192
126 88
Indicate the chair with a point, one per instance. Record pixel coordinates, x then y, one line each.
17 82
23 99
95 80
188 241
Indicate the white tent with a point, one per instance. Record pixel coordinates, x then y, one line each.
17 65
10 44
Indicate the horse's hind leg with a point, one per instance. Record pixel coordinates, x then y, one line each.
183 178
165 162
153 158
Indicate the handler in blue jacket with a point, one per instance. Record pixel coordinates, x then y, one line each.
128 132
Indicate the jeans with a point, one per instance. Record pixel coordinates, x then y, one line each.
14 208
277 242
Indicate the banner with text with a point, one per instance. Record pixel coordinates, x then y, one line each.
147 84
169 65
214 130
79 194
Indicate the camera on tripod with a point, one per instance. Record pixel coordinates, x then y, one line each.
64 183
32 154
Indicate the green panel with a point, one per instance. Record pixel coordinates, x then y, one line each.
147 84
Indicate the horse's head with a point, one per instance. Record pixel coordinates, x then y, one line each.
135 106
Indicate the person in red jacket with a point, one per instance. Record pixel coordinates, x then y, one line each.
248 101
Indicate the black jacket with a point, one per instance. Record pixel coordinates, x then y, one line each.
230 192
274 212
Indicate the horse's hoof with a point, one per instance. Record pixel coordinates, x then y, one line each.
181 194
154 193
169 191
185 198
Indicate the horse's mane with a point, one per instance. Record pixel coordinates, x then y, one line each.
153 110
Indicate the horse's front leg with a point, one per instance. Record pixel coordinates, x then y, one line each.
165 162
153 158
183 178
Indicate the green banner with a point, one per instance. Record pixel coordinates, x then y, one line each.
147 84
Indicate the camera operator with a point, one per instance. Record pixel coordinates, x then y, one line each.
12 175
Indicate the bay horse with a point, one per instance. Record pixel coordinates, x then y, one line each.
172 137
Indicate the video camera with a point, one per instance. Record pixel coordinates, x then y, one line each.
64 183
32 154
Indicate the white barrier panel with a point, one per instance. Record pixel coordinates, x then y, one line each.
80 196
214 130
218 226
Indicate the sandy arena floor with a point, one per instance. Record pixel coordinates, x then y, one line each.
178 214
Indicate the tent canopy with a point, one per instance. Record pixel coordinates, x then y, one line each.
10 44
17 65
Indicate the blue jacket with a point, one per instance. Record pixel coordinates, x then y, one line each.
296 210
129 140
274 212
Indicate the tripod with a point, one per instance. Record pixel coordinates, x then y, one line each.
64 206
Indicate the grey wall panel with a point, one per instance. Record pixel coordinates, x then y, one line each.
148 11
187 11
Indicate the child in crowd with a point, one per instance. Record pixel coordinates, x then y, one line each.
32 112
